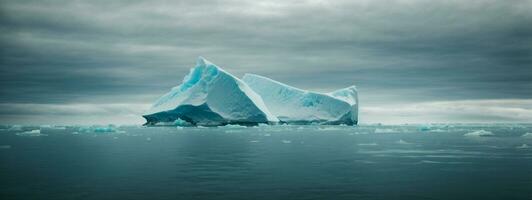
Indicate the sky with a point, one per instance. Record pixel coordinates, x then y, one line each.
413 61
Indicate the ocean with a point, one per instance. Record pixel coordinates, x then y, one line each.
435 161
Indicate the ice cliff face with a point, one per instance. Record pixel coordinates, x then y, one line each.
293 105
210 96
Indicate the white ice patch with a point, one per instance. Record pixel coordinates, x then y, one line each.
233 126
286 141
523 146
385 130
33 133
479 133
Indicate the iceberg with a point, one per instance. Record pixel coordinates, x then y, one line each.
210 96
296 106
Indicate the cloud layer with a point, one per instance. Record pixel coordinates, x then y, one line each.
396 52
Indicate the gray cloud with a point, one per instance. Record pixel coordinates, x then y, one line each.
98 52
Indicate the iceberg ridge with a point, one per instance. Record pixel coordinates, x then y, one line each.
297 106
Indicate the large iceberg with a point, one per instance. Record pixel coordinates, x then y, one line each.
210 96
294 105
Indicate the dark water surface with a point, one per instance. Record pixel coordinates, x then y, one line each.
279 162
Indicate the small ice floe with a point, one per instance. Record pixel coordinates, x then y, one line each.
254 141
401 141
34 133
479 133
523 146
54 127
233 126
75 133
115 138
527 135
367 144
148 139
384 130
267 135
5 146
100 129
286 141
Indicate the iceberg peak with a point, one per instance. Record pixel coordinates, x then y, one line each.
209 95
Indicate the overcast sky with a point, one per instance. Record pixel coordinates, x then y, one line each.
412 60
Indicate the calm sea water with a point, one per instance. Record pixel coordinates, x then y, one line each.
270 162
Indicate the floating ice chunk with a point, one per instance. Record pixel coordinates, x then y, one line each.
385 130
479 133
210 96
99 129
254 141
286 141
400 141
297 106
523 146
34 133
234 126
104 129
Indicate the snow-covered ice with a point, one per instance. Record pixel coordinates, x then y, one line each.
479 133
